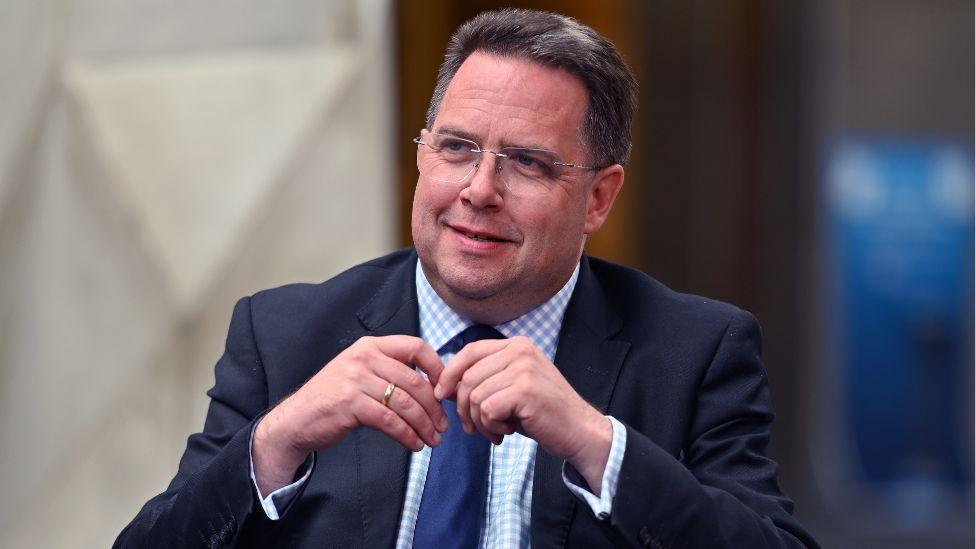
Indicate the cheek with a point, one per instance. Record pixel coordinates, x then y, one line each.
420 212
555 224
428 203
430 197
423 201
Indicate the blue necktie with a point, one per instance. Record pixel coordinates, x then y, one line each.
453 502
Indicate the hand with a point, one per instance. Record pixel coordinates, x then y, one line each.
504 386
346 394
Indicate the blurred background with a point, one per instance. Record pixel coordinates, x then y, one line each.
810 161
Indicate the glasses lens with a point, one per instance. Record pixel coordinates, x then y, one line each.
529 171
446 158
531 163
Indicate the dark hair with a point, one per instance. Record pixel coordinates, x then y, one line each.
562 43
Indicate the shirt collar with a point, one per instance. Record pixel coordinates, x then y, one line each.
439 324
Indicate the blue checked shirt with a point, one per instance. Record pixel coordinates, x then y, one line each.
510 472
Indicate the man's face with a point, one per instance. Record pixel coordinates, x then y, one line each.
535 242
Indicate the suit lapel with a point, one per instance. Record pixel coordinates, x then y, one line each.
383 462
590 360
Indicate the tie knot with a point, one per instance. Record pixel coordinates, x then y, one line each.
478 332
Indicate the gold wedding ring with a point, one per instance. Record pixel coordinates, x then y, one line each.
389 393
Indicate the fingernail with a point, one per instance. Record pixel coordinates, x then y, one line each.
437 439
438 392
443 424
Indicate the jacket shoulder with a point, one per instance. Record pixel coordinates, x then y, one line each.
642 300
346 291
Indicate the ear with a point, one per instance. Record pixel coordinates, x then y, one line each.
600 196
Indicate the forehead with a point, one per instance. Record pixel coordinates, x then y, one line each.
510 101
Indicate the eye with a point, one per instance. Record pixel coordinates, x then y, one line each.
453 149
453 145
530 163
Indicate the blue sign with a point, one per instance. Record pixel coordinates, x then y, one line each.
900 320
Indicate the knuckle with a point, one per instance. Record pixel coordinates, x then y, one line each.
521 386
414 380
357 352
344 396
353 375
418 347
402 400
390 419
490 411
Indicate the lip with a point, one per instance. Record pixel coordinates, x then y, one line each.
465 237
471 232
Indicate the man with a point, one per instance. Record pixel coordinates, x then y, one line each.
621 413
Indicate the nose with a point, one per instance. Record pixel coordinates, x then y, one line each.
485 186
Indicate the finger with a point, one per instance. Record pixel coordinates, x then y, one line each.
408 380
373 414
467 357
493 428
498 413
485 368
498 429
502 428
412 350
410 411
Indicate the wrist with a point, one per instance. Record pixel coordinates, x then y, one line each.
273 457
272 440
591 459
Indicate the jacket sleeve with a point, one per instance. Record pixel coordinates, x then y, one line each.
212 497
722 490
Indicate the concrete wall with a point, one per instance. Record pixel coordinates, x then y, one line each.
158 160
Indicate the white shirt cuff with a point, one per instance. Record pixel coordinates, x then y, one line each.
283 497
602 505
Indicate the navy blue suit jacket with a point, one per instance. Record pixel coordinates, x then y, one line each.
683 373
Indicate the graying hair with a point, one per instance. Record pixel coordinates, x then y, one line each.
558 42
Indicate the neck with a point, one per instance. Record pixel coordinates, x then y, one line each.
502 306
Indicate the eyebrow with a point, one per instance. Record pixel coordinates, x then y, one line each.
458 132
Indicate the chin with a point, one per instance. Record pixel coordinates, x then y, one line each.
470 284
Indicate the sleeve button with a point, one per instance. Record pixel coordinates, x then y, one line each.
644 537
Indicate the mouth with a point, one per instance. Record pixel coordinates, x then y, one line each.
479 235
481 238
